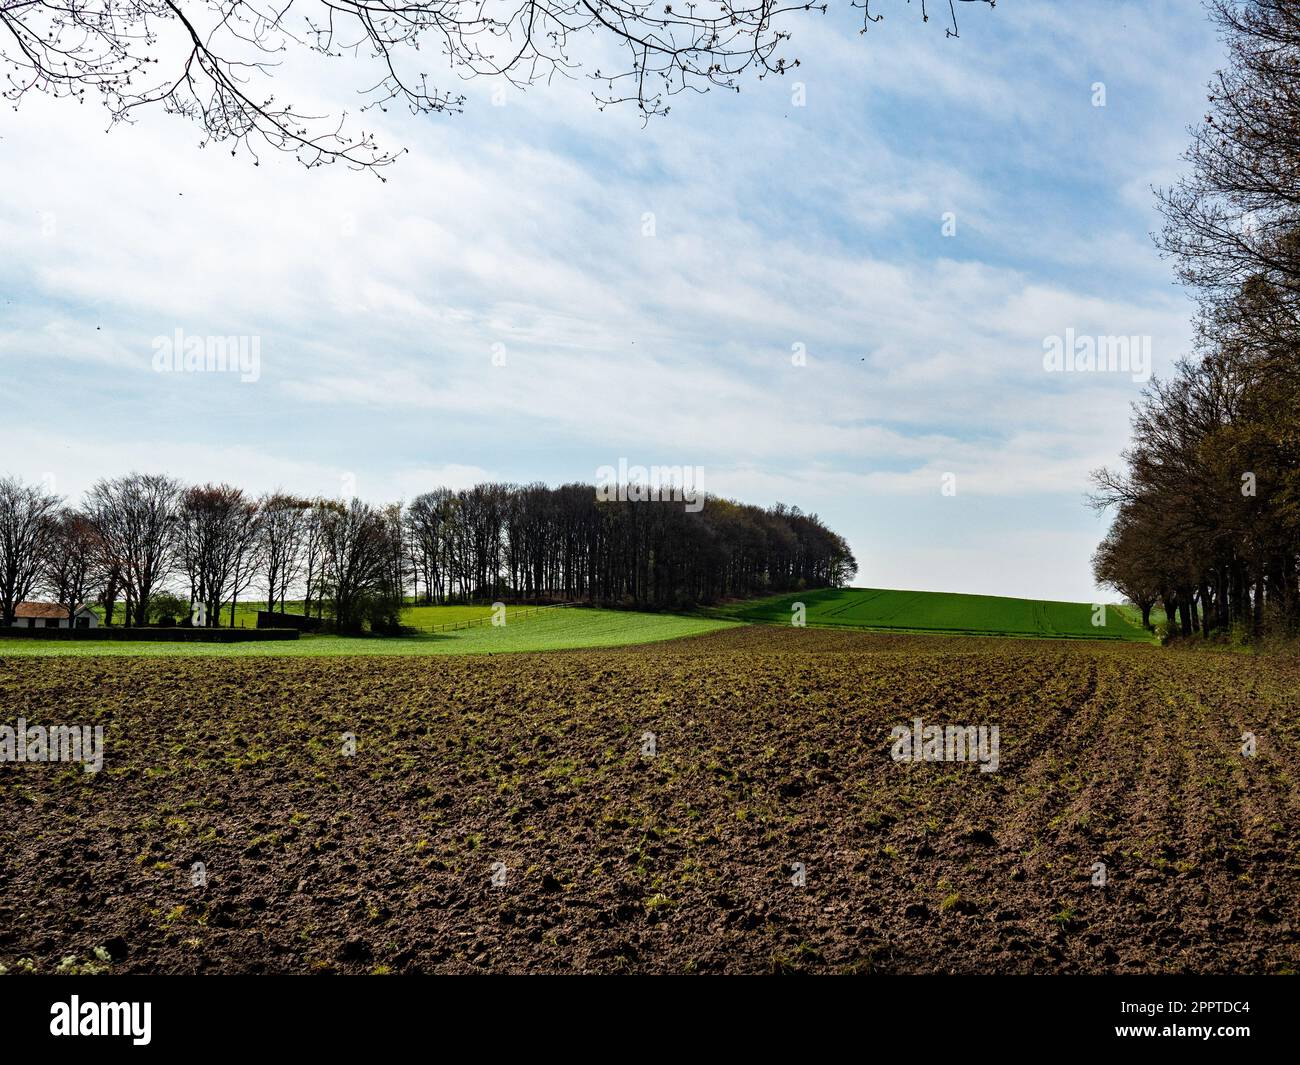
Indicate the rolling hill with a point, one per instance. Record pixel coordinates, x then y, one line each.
889 610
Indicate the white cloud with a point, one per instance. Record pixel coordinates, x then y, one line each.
378 304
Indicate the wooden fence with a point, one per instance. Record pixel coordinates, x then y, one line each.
511 615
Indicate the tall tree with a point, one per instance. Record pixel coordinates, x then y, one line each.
27 522
73 570
1123 562
218 531
1212 480
284 530
135 517
357 555
1233 217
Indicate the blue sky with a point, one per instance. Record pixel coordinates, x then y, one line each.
521 230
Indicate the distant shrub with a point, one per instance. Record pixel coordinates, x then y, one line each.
166 605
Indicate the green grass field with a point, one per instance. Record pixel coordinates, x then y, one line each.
938 612
561 628
1134 615
550 630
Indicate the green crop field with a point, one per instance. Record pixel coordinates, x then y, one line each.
420 617
939 612
558 628
550 630
426 617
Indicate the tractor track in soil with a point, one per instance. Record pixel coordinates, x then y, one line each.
772 747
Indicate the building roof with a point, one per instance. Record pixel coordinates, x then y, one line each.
42 610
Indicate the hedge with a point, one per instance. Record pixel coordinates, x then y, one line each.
175 635
268 619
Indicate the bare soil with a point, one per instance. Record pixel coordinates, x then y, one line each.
501 815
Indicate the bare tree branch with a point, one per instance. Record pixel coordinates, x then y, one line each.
211 61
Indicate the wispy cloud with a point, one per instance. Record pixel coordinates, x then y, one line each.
540 288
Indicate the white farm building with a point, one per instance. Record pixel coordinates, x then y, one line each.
52 616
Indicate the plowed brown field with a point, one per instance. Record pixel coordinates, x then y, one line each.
771 747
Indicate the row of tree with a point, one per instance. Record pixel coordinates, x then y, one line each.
1207 509
136 536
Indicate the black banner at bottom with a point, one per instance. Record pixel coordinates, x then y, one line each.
1059 1015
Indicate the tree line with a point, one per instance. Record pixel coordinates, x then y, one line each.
136 537
1207 507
